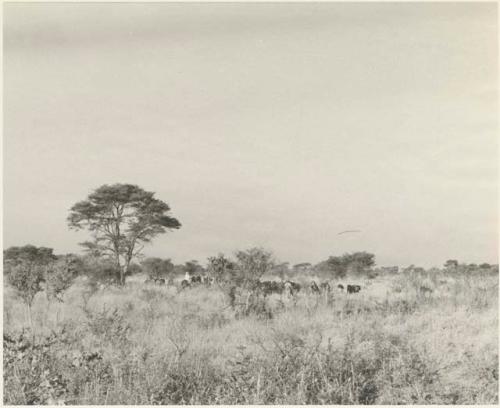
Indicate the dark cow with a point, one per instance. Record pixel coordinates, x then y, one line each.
160 281
185 284
314 287
195 279
296 286
340 286
325 287
292 287
277 287
353 288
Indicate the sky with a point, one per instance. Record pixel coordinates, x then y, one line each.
272 125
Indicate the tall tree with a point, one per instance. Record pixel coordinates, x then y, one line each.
122 219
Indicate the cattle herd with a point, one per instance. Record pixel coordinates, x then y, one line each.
265 287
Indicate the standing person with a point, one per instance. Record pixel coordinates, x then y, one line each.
187 276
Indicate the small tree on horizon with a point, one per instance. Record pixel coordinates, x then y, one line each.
193 267
254 263
451 264
122 219
157 268
99 271
25 269
339 266
359 262
282 270
60 275
220 268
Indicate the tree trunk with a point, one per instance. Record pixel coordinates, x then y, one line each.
123 271
122 276
120 270
30 319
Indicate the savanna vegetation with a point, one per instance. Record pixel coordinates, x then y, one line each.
88 329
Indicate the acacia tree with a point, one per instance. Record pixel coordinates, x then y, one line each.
122 219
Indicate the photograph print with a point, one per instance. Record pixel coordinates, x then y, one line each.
239 203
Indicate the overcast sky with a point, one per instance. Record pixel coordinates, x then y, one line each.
275 125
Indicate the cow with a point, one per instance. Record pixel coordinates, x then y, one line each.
340 287
314 287
207 280
185 284
353 288
195 279
160 281
278 287
296 286
291 288
148 281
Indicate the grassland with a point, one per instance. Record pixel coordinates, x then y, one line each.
392 343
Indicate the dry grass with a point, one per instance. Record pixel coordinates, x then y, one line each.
393 343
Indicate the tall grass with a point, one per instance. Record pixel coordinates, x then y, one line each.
393 343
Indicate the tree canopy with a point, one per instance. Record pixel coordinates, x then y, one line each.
28 254
157 268
253 263
357 262
122 219
25 268
222 269
451 263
